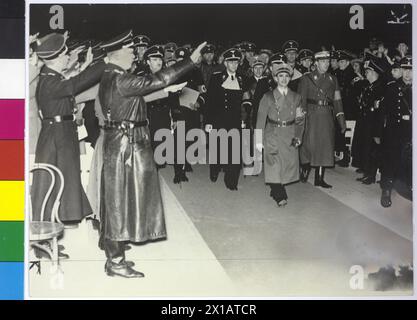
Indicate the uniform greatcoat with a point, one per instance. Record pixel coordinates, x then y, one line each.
58 142
131 204
281 160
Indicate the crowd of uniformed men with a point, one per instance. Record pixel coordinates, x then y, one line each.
300 99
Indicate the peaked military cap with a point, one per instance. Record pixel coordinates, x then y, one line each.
51 46
249 46
156 51
284 68
290 45
278 58
232 54
258 62
124 40
141 41
208 48
170 47
305 54
240 46
182 52
322 55
407 62
342 55
265 51
373 65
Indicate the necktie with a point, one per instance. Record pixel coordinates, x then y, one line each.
233 78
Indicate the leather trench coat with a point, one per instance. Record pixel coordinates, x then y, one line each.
131 203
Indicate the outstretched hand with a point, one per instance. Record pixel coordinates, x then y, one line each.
196 55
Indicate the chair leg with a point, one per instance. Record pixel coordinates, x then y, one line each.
55 252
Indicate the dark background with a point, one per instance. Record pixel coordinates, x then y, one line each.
268 25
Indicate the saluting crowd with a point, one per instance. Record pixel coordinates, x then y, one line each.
123 91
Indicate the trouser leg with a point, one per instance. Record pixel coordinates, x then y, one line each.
115 251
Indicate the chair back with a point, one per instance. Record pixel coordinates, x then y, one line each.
53 171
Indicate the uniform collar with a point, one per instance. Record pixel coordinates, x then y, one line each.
114 67
46 71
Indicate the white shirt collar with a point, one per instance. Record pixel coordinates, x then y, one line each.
283 91
231 74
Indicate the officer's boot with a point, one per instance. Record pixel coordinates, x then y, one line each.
386 198
178 171
345 161
319 178
304 172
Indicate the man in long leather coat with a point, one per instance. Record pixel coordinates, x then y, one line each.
131 206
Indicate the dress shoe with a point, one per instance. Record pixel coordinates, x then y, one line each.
184 177
177 179
386 198
361 178
368 180
323 184
122 270
128 263
282 203
304 174
319 179
214 176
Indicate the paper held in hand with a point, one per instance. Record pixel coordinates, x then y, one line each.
188 97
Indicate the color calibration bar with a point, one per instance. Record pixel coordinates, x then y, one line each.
12 121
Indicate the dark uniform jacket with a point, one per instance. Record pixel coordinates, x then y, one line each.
131 198
226 108
345 78
367 125
396 129
258 89
58 141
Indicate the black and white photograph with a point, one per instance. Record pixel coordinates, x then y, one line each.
219 150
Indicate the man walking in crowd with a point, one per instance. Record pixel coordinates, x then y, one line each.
321 100
228 93
281 118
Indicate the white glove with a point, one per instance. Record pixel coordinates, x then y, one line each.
208 128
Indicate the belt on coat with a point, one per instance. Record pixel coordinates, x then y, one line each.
280 123
322 103
124 124
58 119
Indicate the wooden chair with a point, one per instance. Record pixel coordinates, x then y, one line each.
44 234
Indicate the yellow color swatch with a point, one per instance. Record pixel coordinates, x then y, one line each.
12 200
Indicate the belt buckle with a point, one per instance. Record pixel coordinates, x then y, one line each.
283 123
57 119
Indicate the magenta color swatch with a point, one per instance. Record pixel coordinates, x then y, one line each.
12 119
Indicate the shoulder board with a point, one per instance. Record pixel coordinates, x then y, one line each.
391 82
217 72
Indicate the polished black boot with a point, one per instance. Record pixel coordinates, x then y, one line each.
345 161
386 198
368 180
319 179
305 172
